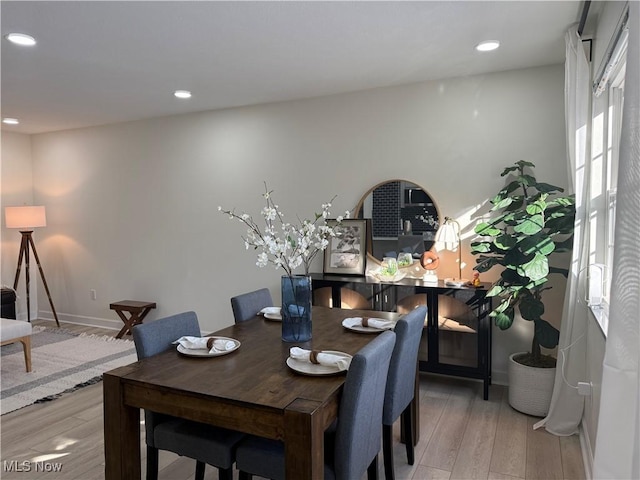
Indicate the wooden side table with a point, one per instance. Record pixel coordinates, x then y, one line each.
136 310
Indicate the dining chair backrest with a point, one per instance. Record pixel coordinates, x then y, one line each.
358 434
248 305
155 337
402 369
203 443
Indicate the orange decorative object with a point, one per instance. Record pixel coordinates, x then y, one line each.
429 260
476 280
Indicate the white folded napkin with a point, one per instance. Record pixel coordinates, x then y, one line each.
214 345
378 323
270 310
320 357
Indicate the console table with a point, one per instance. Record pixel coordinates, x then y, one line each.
456 338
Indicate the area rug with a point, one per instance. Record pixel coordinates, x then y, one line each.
61 362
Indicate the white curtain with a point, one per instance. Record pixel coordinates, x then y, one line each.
565 412
617 443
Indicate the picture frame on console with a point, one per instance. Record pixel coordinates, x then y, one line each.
347 252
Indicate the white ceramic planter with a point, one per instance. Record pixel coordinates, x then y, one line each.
530 388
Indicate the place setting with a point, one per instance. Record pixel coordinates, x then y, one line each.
272 313
206 346
367 324
318 362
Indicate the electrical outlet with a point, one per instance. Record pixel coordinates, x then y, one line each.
584 388
94 295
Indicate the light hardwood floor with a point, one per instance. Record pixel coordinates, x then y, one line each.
462 437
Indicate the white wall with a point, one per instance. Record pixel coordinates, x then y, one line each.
17 190
132 207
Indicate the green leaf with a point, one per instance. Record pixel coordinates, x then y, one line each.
548 188
505 242
535 269
504 319
480 247
530 225
495 291
506 191
523 163
505 202
538 243
547 335
503 306
518 201
485 263
510 276
531 308
538 206
527 180
515 257
508 170
486 229
560 224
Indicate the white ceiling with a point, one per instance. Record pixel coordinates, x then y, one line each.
104 62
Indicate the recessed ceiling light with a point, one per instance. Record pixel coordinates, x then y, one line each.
488 45
182 93
21 39
10 121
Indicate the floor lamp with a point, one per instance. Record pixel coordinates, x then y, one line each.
26 219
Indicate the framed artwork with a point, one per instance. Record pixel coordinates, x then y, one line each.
347 251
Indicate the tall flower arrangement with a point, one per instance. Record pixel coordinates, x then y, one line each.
281 243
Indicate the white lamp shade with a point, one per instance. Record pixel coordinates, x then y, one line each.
25 217
447 236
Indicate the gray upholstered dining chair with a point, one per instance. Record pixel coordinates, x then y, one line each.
352 447
400 392
204 443
248 305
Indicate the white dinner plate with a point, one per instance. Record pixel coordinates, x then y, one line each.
272 310
273 316
201 352
314 369
354 325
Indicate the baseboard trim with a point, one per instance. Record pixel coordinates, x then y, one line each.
499 377
587 453
110 324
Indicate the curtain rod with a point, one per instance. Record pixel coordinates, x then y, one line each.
583 17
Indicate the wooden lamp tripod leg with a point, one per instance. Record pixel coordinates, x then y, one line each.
44 281
24 254
27 241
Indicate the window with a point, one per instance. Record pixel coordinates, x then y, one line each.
605 146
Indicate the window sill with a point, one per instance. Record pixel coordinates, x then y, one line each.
601 315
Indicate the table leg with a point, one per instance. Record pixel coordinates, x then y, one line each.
303 441
128 323
121 433
135 318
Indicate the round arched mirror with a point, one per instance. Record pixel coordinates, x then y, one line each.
404 220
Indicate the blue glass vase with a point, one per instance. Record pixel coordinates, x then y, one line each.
296 308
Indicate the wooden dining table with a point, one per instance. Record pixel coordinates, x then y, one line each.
251 390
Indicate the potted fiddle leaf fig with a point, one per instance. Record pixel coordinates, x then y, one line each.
531 221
